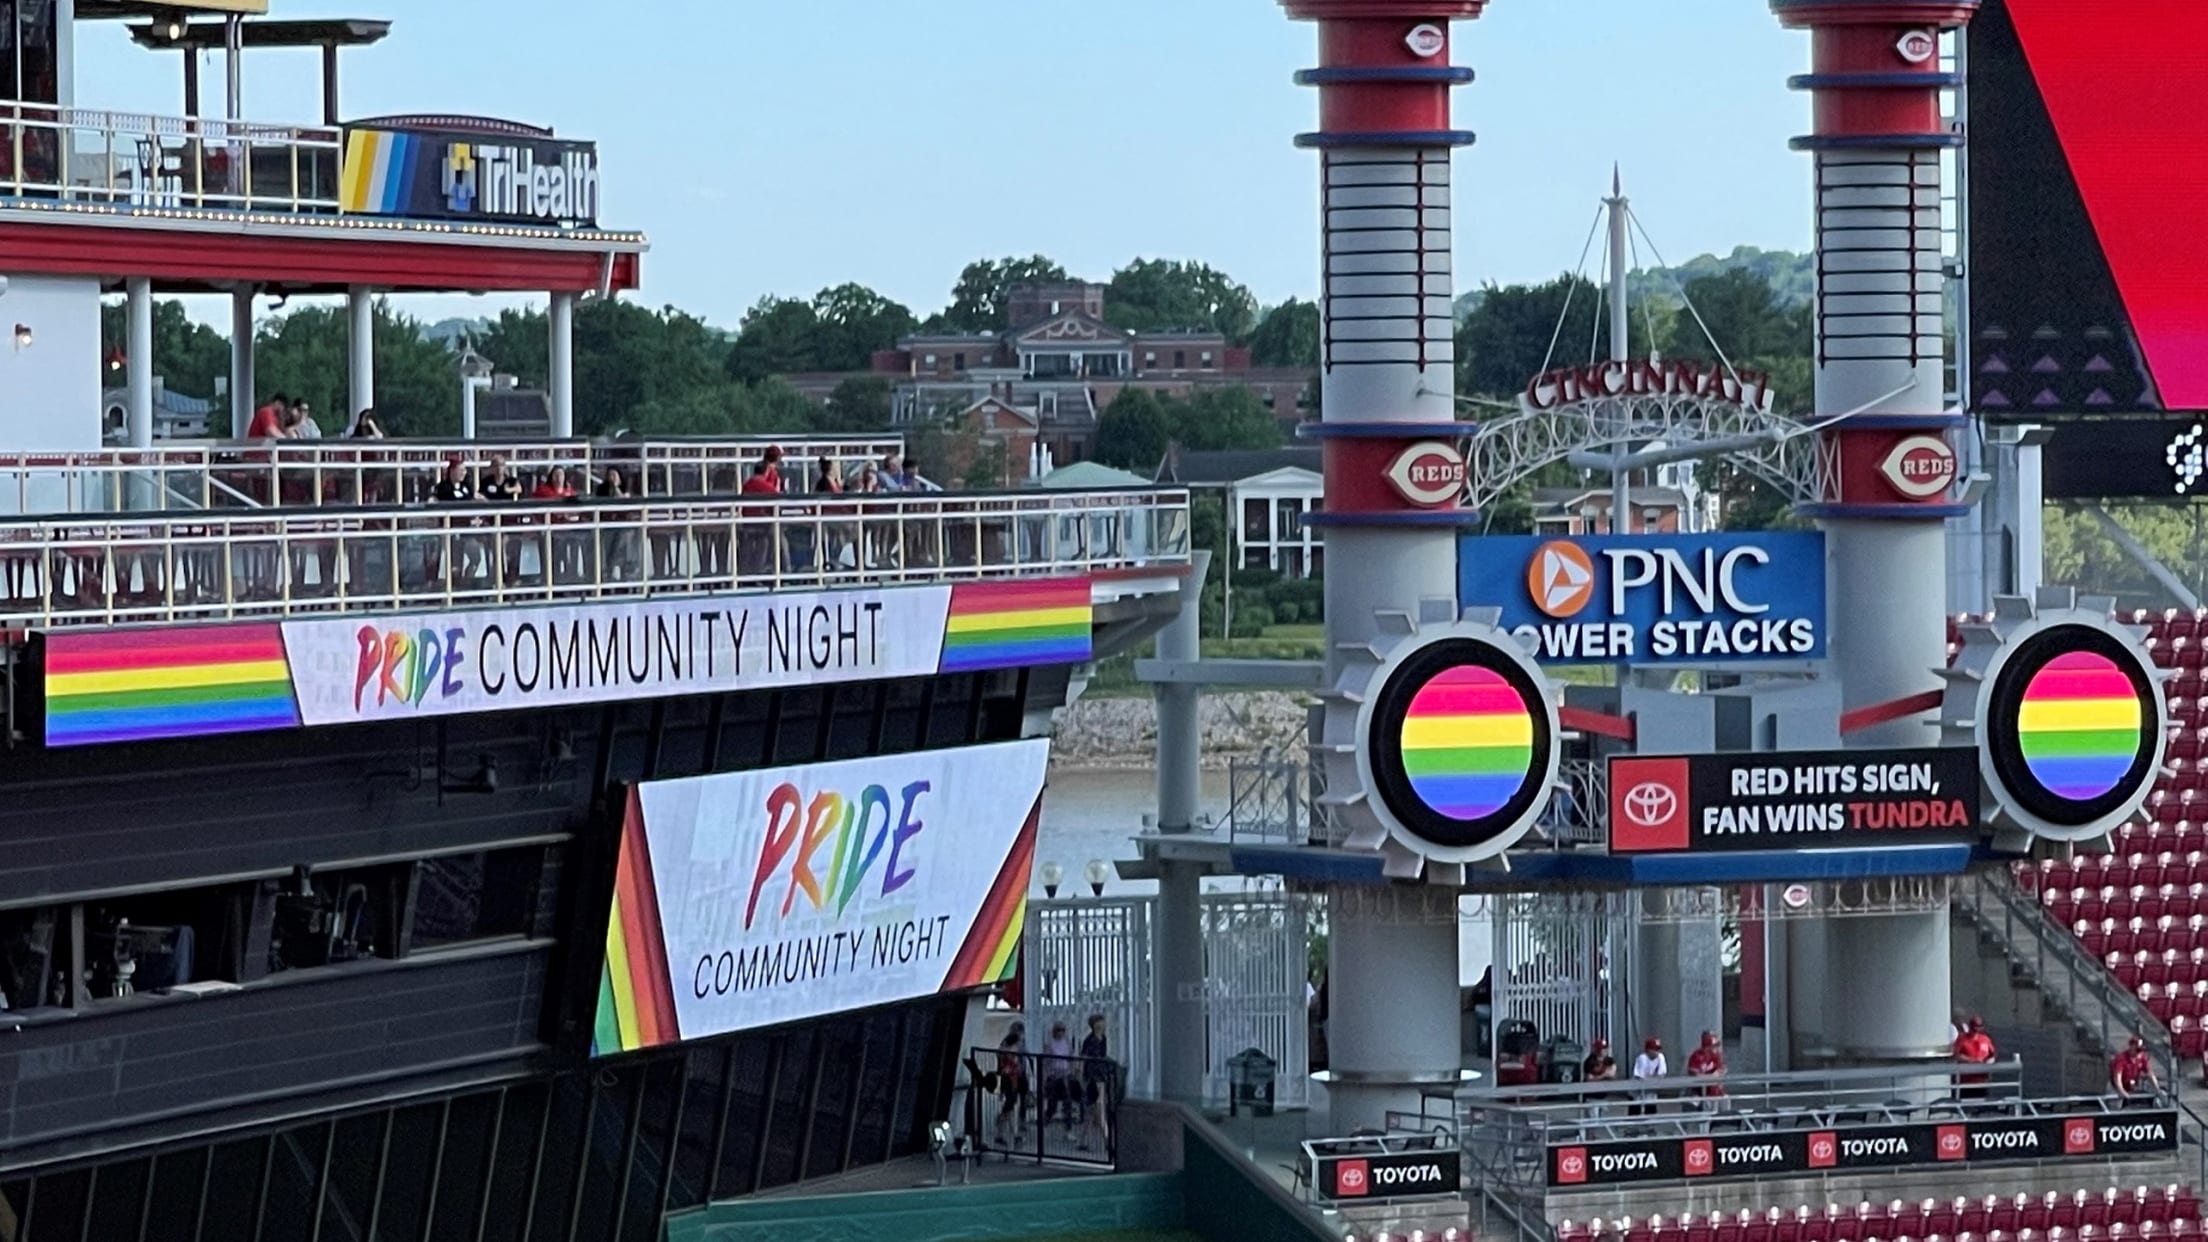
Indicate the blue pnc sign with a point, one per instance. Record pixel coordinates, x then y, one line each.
1652 599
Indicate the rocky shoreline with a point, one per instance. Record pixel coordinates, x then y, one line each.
1122 733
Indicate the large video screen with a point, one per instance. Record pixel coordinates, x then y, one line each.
750 899
2088 260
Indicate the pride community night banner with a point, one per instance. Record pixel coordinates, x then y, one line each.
197 681
747 899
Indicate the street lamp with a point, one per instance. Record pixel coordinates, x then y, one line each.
1053 876
1096 872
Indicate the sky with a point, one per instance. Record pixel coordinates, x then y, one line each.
783 147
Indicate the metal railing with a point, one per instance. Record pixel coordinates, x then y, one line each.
1015 1098
233 476
159 569
2057 963
1679 1104
137 159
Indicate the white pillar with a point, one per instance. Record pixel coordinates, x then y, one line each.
360 339
1179 960
241 362
139 350
561 323
2031 511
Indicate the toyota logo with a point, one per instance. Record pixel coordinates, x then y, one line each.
1651 804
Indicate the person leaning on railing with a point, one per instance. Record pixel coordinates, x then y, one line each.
620 551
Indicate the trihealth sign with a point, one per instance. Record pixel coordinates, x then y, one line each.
198 681
434 175
1652 599
747 899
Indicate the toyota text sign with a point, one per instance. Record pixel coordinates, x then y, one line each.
1652 599
1389 1175
1792 800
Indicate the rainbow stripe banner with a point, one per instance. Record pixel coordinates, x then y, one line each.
636 1003
991 953
135 686
2080 725
1015 624
379 170
1467 742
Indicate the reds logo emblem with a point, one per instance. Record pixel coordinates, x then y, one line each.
1429 474
1920 467
1426 41
1918 46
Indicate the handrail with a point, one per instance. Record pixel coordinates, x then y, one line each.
2023 920
140 159
263 475
209 567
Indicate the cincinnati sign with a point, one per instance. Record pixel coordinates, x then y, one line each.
1648 377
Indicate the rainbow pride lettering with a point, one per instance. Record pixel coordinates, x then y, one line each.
860 827
406 667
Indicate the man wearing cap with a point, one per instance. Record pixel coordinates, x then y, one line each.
1649 1065
1599 1066
2131 1073
1708 1061
1973 1047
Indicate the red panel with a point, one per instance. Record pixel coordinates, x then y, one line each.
1853 110
2124 82
1356 474
1379 107
191 256
1864 457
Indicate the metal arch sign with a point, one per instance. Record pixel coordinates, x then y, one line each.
1457 744
2069 719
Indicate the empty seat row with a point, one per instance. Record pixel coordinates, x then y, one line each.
2109 1215
2093 905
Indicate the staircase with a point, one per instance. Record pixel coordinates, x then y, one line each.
2043 996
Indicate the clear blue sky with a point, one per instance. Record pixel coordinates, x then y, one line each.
773 146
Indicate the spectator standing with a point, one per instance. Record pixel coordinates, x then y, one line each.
1973 1047
303 426
366 427
1098 1085
620 549
454 488
755 537
1058 1079
1708 1061
498 484
1647 1066
1011 1084
1599 1066
268 421
2132 1075
553 486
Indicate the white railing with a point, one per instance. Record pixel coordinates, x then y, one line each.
136 159
160 569
213 477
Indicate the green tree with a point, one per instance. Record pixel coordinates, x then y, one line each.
978 300
860 403
1226 417
778 336
188 356
1512 335
1134 431
1288 336
303 354
853 322
1163 293
1744 314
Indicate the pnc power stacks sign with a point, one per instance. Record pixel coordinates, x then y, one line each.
1652 599
749 899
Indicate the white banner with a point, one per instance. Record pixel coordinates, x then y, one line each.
447 663
788 893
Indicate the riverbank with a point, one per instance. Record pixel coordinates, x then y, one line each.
1118 734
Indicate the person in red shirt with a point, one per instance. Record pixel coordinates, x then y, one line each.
1973 1047
268 421
755 540
2131 1071
1708 1061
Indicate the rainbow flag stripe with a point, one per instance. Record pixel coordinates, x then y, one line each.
135 686
1015 624
1467 742
636 1007
991 953
2079 725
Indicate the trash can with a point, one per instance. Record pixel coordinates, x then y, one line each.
1562 1060
1250 1076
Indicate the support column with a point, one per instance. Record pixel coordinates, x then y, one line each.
560 321
360 341
241 362
1876 989
138 296
1179 944
1387 381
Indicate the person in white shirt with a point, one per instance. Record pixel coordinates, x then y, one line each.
1650 1064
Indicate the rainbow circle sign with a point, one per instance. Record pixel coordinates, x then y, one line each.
748 899
1458 744
2068 715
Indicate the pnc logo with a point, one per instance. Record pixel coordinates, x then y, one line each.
396 666
1560 578
1352 1178
860 828
1429 474
1920 467
1426 41
1918 46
